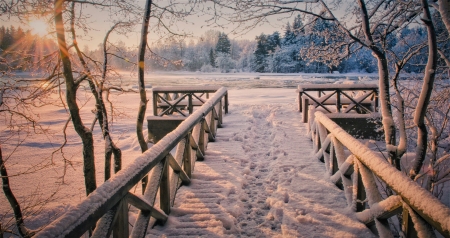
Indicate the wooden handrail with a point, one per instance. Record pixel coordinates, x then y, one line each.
105 203
329 140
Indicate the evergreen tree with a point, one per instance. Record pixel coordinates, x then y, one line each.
223 44
261 53
297 26
212 58
288 35
273 41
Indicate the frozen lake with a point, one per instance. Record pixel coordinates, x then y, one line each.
242 80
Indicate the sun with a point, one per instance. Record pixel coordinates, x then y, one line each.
38 27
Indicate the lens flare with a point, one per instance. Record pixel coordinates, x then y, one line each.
39 27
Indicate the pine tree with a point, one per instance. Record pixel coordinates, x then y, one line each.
288 35
223 44
273 41
260 53
297 26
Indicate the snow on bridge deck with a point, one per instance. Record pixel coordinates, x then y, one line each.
260 179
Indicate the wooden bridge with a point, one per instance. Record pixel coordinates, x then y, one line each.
251 182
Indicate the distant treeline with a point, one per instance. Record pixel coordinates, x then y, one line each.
214 51
23 51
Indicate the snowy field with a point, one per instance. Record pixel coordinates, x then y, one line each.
260 168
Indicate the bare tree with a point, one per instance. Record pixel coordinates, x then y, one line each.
20 97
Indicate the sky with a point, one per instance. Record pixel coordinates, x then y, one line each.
100 22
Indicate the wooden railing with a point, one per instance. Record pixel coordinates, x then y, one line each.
106 208
353 167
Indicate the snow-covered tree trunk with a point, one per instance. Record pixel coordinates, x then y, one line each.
383 73
425 94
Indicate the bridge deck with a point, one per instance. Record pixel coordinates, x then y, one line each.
253 182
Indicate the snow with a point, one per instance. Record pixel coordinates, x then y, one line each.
259 178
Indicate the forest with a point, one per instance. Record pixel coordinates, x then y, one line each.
214 51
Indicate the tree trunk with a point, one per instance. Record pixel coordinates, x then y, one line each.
383 73
102 115
71 90
23 231
141 84
425 94
444 10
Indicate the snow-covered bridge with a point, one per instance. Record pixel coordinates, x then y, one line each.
260 177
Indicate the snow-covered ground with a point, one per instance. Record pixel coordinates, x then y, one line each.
260 171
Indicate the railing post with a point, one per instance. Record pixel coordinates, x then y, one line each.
164 188
408 225
120 228
358 185
155 104
338 100
305 110
187 157
212 126
190 105
219 114
300 101
333 158
201 137
226 103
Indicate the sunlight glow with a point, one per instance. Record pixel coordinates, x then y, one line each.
38 27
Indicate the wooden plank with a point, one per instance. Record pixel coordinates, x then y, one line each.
142 221
105 224
141 204
383 210
332 87
177 169
196 147
186 89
